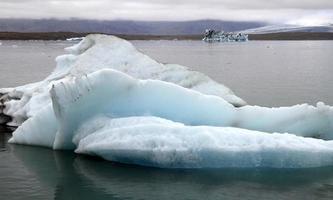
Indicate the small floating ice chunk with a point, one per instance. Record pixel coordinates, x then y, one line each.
75 39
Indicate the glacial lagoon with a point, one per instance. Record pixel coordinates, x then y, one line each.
265 73
262 73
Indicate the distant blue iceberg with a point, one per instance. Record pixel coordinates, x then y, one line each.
221 36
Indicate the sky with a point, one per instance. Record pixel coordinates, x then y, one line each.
302 12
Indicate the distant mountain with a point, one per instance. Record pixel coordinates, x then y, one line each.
123 26
290 28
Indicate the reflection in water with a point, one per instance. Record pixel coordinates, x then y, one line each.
81 177
4 137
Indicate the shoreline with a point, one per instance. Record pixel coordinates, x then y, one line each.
66 35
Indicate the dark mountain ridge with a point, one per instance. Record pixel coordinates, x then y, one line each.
123 26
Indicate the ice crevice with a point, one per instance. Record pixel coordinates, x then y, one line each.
107 99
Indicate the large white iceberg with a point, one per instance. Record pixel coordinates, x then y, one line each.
123 118
150 122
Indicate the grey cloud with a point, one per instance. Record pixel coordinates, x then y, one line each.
237 4
263 10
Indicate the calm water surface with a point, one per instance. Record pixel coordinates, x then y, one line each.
267 73
264 73
39 173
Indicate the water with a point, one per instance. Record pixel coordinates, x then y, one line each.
39 173
265 73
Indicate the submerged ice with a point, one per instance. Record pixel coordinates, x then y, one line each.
108 99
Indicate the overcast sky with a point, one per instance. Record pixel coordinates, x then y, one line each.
306 12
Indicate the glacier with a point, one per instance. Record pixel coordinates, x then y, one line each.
107 99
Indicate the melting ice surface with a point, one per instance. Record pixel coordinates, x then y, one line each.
108 99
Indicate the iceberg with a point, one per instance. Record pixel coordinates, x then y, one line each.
137 117
75 39
221 36
155 123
